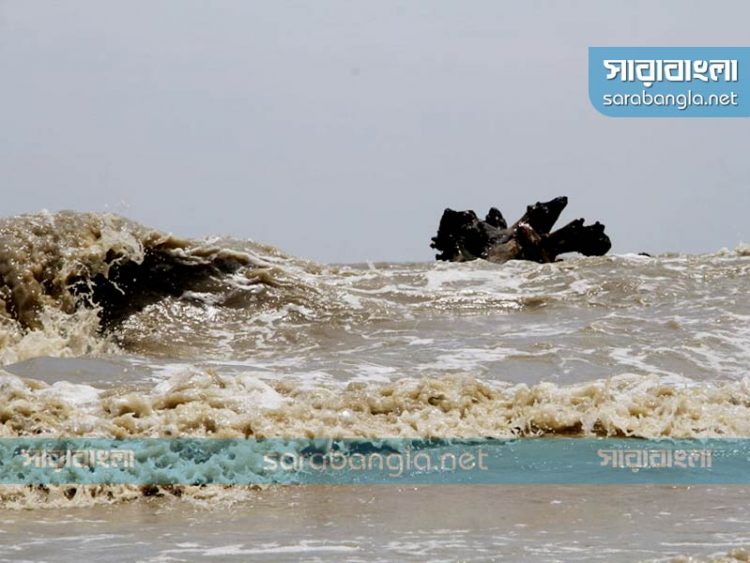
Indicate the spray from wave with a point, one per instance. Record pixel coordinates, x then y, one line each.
68 280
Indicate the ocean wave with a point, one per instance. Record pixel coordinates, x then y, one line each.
156 294
67 279
202 403
65 259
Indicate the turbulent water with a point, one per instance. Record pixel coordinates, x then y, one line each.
155 335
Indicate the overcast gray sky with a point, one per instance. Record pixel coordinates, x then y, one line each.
339 130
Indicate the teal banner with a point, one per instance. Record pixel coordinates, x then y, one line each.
382 461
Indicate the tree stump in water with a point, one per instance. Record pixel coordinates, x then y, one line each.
462 236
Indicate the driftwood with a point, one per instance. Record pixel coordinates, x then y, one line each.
462 236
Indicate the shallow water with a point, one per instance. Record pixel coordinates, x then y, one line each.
389 523
244 340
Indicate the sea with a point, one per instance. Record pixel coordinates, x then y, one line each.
112 329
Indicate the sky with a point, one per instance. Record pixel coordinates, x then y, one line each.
340 130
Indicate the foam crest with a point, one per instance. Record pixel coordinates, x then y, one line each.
65 277
207 404
202 403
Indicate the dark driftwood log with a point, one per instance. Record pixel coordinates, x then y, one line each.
463 236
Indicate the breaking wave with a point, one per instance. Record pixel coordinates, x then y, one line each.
69 280
207 404
84 283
